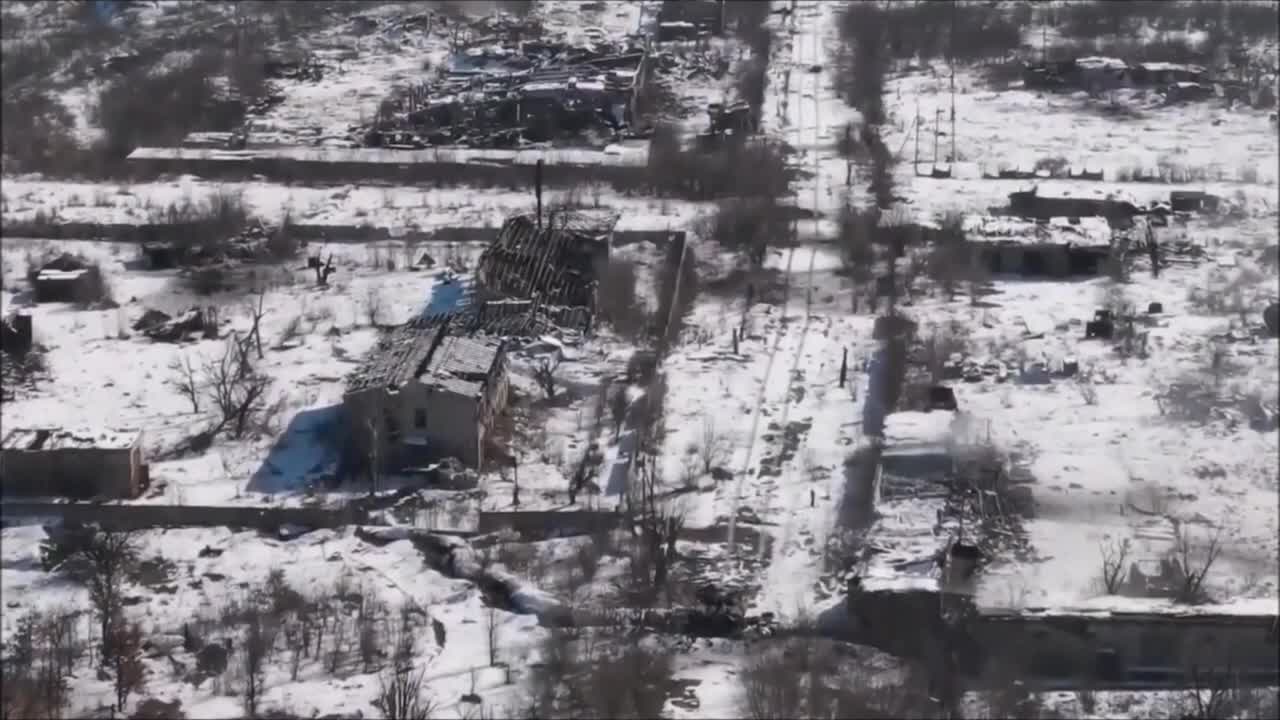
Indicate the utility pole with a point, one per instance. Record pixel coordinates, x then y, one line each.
951 50
937 127
916 167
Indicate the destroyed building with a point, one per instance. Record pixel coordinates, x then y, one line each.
690 19
66 278
80 464
1163 73
1058 246
554 261
1050 200
504 94
427 392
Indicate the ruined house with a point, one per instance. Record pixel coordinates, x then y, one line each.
1163 73
65 278
499 95
427 392
1049 200
1058 247
555 261
72 463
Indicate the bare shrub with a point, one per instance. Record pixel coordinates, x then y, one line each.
1088 391
1195 557
545 375
1115 556
401 696
713 449
749 227
185 380
235 387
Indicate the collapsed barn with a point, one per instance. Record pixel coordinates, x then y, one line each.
1058 246
554 260
505 94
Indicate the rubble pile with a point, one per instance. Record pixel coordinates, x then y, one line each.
161 327
504 90
253 244
1174 82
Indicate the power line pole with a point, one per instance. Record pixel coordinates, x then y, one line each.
952 61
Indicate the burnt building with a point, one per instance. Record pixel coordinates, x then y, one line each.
72 463
1057 247
555 261
1049 200
427 392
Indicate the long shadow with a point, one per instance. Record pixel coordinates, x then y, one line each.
303 455
857 503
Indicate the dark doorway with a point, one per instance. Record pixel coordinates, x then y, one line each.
1033 262
991 258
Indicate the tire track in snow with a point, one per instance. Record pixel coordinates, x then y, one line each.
753 438
805 55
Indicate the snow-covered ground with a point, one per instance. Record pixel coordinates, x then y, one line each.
410 208
1109 457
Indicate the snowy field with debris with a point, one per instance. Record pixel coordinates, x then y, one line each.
759 430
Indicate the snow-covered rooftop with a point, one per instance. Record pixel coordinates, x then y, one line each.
1085 231
36 439
916 429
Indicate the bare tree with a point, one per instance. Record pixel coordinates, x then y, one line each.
235 388
491 626
130 673
545 375
256 310
400 694
714 446
34 670
1196 558
185 380
102 558
255 653
1114 557
373 303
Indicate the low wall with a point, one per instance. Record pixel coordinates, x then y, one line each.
444 172
138 517
356 234
549 523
